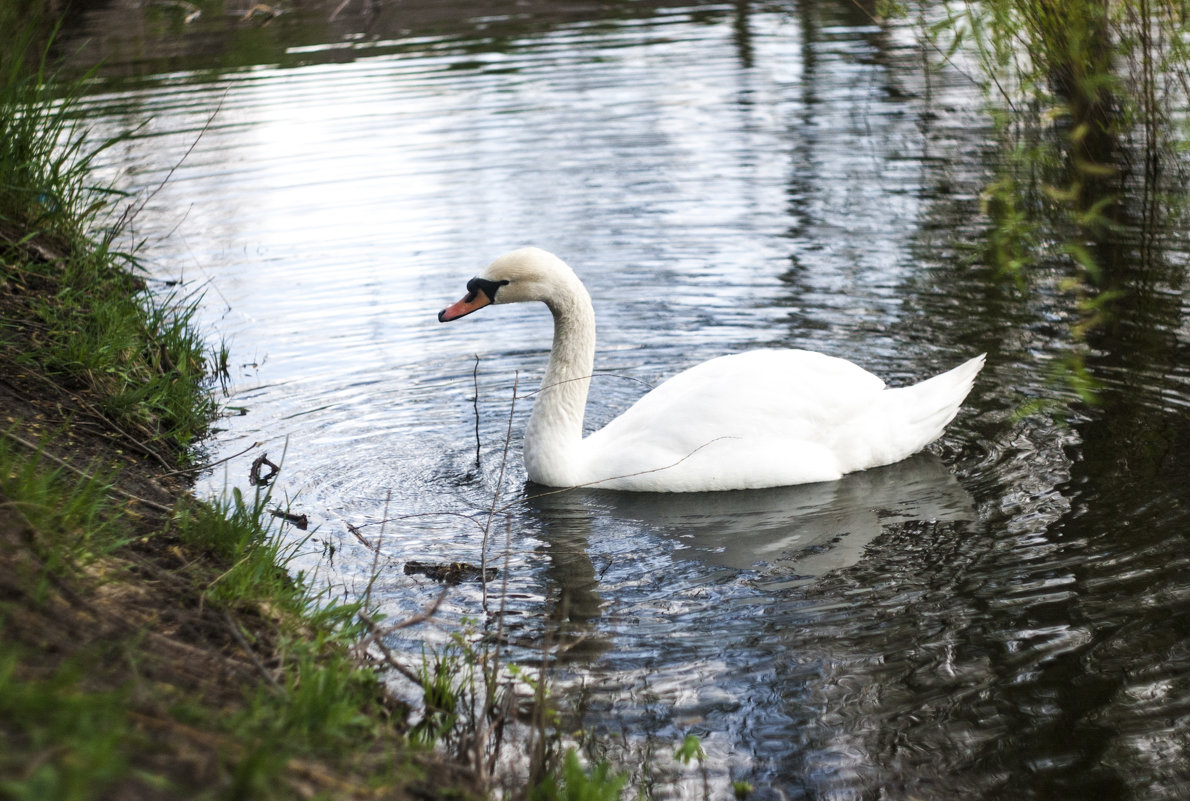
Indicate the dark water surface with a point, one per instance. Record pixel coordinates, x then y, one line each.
1004 617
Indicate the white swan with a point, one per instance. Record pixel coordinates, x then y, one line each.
763 418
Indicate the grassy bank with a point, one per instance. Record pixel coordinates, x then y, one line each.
152 646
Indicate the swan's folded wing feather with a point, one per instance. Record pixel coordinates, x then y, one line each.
761 392
745 411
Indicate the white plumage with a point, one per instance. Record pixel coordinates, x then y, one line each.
763 418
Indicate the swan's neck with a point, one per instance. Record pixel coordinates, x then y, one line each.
553 438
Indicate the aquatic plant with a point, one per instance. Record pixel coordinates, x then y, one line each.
600 783
1088 99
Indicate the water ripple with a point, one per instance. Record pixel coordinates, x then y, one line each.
1003 617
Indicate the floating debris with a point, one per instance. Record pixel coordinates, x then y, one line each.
450 572
254 476
300 521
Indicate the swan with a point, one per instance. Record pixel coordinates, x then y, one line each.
762 418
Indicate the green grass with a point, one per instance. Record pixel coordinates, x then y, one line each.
104 605
573 783
69 742
95 700
63 738
71 514
97 328
145 362
68 716
320 704
45 157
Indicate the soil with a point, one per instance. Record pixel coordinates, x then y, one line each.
137 617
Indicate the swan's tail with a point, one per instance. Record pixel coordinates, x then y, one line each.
933 403
912 417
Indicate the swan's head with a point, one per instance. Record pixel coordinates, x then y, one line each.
516 277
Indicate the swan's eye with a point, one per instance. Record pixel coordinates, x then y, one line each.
484 285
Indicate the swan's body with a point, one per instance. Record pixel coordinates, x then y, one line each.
764 418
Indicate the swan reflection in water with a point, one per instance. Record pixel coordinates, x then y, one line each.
809 529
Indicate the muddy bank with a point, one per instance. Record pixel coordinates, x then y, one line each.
135 661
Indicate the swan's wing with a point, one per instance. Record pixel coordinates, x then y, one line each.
762 392
741 413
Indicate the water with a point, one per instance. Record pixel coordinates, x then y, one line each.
1003 617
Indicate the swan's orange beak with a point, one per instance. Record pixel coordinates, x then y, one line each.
480 292
473 301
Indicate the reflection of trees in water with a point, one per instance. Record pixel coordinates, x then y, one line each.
1100 196
1085 95
169 36
1099 533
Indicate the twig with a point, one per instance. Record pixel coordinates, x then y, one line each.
420 617
483 556
132 210
254 476
484 525
945 57
390 658
239 637
475 401
209 465
301 521
494 669
359 537
599 481
376 551
587 377
415 515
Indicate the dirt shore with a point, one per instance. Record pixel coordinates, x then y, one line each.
135 629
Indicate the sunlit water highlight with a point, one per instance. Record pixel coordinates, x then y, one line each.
1003 617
